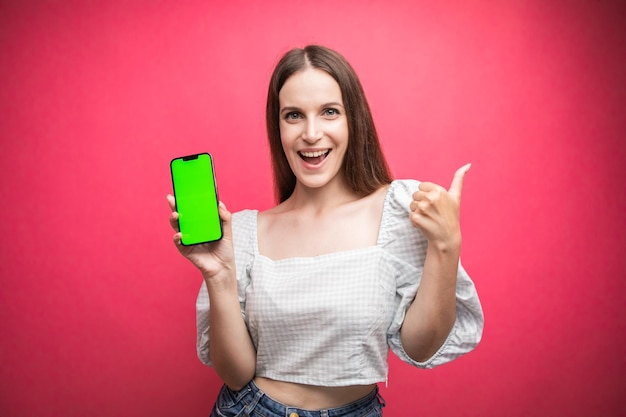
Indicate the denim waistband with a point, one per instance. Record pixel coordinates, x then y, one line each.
251 400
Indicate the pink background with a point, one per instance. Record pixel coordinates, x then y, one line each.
97 307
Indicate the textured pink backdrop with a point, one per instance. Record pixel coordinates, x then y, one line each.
96 306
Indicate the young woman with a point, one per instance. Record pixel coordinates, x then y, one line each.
301 303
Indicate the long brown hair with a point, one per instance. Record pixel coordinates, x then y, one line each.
364 166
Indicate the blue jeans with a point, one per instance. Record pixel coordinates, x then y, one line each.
252 402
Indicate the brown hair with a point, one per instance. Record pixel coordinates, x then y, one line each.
364 166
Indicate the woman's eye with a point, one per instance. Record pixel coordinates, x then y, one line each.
292 115
331 112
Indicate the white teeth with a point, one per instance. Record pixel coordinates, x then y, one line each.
313 154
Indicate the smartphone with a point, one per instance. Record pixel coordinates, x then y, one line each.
195 191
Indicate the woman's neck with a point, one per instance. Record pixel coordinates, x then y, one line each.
322 199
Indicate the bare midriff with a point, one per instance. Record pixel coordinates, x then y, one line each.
312 397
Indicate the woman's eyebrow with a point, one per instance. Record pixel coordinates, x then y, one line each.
289 109
332 104
322 106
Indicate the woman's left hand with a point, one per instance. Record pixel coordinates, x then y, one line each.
436 211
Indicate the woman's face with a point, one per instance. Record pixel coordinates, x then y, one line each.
313 127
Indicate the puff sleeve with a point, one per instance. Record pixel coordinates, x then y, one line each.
408 245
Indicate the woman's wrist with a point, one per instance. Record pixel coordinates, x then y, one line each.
450 246
223 280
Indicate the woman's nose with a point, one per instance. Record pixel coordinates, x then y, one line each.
312 131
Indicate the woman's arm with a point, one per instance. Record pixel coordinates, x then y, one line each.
435 211
231 349
431 316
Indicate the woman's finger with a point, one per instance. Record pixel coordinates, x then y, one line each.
174 221
171 202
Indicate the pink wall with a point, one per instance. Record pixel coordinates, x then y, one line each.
96 306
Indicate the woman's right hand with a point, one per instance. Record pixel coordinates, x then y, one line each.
213 259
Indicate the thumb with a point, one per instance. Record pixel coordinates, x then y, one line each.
457 181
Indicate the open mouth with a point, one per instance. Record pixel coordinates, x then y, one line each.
314 158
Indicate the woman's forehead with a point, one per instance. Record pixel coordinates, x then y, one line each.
310 85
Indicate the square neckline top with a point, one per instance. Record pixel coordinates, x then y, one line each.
330 319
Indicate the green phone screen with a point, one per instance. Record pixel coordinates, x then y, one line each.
193 180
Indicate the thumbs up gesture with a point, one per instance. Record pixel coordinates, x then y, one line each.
435 211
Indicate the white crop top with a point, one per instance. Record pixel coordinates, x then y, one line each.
330 320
